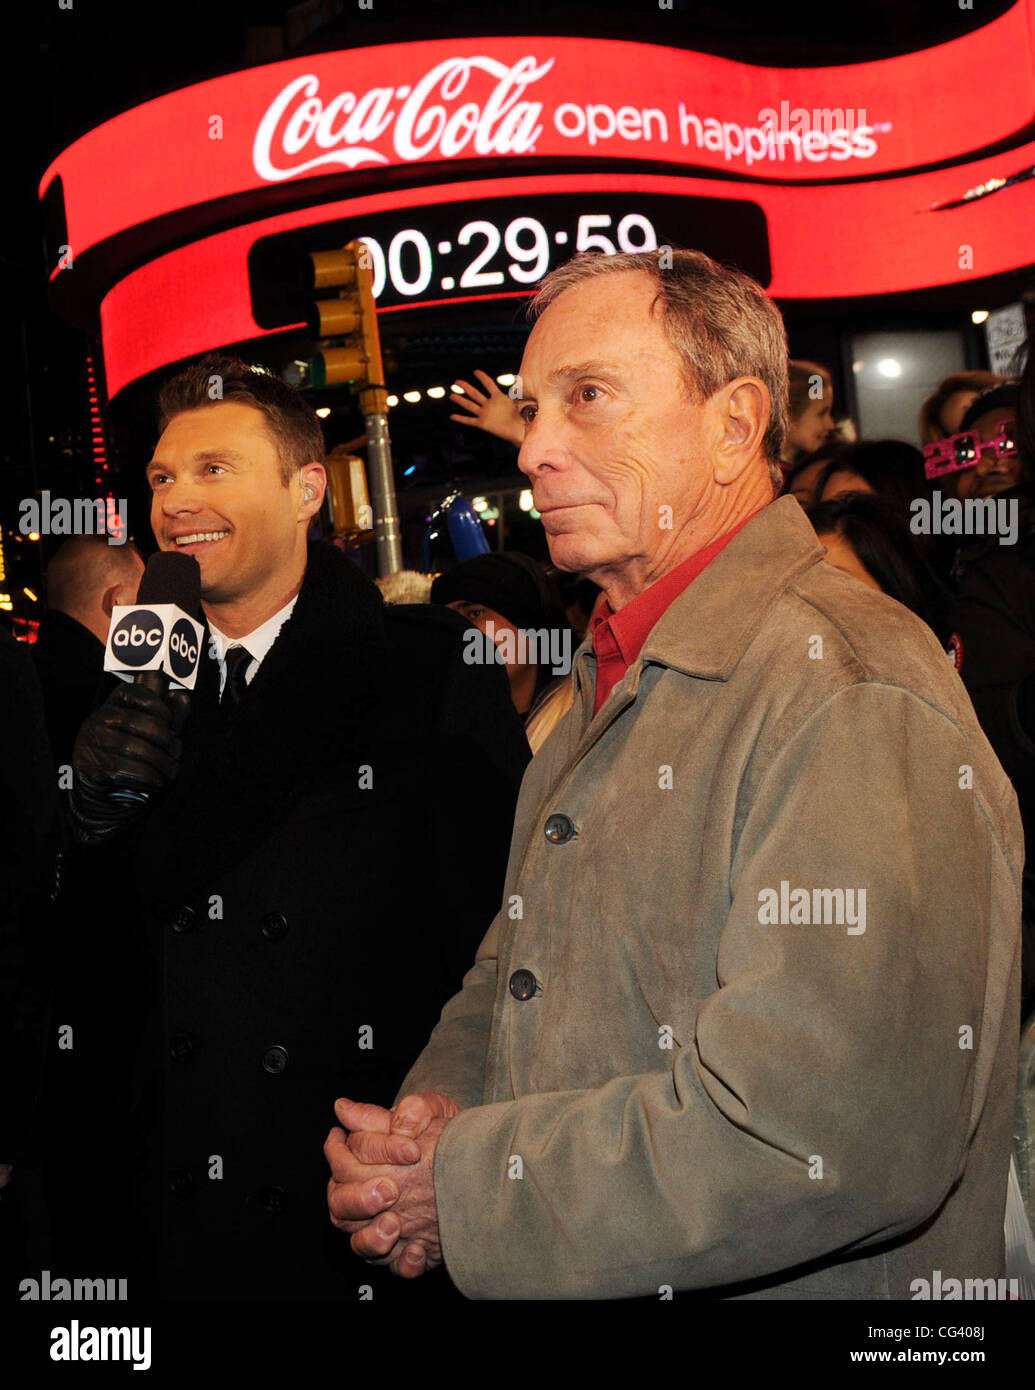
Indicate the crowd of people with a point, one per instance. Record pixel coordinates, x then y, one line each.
568 1052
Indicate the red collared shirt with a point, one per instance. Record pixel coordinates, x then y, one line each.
618 638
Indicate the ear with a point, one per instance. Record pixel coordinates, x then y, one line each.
112 597
312 485
743 407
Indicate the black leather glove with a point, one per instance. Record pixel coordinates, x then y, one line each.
127 751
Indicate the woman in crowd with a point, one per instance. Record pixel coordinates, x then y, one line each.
894 470
811 401
866 537
804 478
514 593
888 467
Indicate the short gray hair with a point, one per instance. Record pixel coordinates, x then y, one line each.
719 320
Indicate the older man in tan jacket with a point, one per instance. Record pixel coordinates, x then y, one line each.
745 1021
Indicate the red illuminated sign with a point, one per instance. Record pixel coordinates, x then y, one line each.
878 237
422 104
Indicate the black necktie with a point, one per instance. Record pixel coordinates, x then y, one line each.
237 660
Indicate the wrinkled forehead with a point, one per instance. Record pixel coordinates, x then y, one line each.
615 319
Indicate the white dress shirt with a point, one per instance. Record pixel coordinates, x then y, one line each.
257 642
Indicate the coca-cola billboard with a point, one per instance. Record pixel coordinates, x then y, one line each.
300 132
337 115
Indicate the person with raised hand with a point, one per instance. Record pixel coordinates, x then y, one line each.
488 409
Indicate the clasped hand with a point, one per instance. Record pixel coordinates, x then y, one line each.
382 1188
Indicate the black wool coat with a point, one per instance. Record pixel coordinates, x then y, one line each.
97 969
70 664
316 883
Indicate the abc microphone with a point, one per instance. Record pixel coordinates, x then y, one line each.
157 641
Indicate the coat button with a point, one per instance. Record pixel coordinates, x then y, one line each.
275 1059
180 1047
274 1199
560 829
274 926
523 984
183 919
181 1184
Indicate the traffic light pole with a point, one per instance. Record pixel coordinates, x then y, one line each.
382 493
353 316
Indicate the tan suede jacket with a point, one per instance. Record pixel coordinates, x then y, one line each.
747 1019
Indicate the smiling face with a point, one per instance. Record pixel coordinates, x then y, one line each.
217 494
611 434
991 475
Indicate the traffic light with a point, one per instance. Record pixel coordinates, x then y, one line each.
351 315
352 516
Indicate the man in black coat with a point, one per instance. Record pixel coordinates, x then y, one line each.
95 989
85 580
319 858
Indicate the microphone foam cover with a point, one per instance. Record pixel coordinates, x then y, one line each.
172 578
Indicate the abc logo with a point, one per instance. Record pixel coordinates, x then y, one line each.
183 649
137 637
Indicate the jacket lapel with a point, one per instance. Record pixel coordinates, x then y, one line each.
706 630
242 766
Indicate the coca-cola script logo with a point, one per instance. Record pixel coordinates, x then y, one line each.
347 127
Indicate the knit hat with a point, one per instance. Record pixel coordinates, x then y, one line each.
508 582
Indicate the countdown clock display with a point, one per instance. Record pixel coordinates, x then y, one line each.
526 239
476 249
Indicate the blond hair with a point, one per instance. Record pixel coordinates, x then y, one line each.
801 375
721 323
